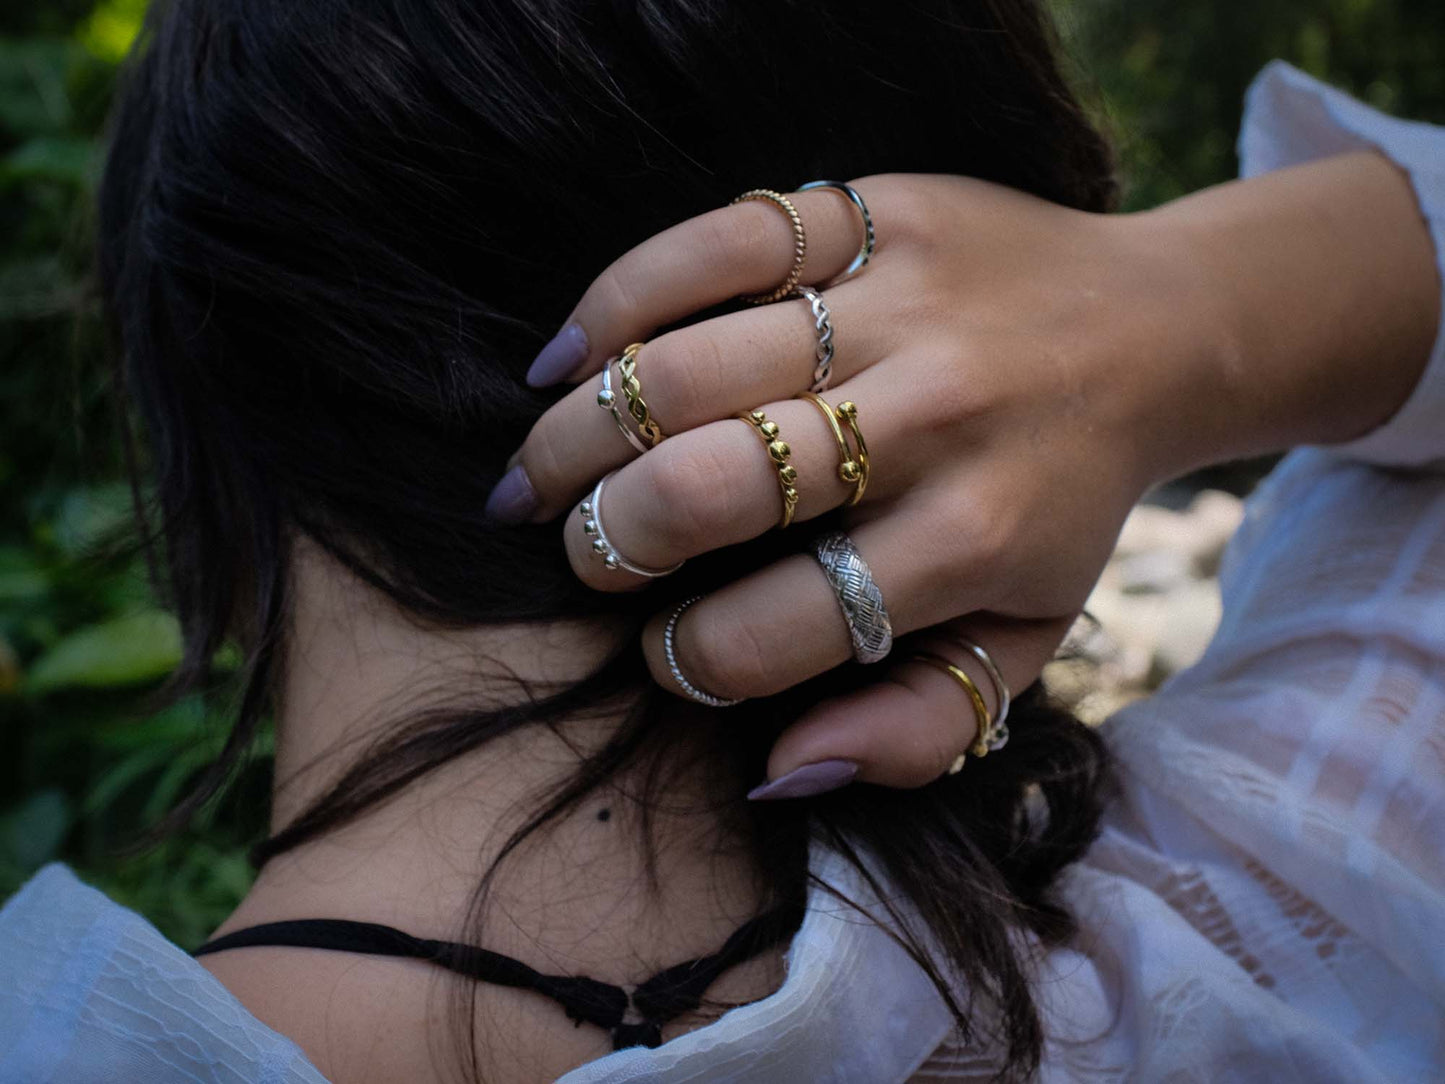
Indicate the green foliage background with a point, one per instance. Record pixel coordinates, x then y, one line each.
87 760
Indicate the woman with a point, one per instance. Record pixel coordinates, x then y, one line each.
330 238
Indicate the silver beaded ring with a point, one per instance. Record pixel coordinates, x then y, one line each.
669 651
607 400
823 325
858 596
865 251
591 512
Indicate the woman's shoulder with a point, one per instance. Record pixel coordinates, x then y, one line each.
91 991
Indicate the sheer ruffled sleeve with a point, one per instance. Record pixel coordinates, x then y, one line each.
1291 118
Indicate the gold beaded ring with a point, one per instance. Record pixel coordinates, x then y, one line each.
800 245
632 392
847 412
779 453
850 471
980 747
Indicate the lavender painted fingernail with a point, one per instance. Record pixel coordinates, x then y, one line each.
513 500
566 351
807 781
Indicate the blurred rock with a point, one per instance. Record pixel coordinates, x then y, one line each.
1154 610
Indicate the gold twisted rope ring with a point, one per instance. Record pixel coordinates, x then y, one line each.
800 245
632 392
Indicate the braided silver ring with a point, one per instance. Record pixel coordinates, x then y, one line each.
591 512
858 596
607 400
669 651
865 251
823 325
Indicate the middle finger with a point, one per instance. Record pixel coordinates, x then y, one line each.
693 376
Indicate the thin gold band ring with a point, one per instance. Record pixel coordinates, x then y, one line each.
980 708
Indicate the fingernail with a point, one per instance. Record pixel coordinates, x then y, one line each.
513 500
807 781
566 351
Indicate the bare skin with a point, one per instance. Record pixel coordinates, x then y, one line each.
573 904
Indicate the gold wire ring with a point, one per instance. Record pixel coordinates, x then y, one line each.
849 470
800 245
632 392
779 452
980 747
847 412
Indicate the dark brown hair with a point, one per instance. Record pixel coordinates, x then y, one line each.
333 236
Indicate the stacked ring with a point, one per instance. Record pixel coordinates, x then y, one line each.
779 452
980 708
823 325
591 512
669 651
852 470
800 245
632 391
607 400
858 596
865 251
996 736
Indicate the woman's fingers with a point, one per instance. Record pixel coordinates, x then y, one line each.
740 249
783 624
909 728
689 377
719 485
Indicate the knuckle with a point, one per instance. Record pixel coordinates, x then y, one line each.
733 235
546 454
616 290
730 656
690 495
683 373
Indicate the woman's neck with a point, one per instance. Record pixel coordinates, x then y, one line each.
577 898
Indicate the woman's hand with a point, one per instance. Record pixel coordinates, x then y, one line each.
1022 372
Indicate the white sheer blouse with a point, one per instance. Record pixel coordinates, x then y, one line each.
1266 902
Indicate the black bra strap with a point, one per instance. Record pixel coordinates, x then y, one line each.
661 999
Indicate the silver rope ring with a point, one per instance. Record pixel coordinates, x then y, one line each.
669 651
858 596
591 512
823 326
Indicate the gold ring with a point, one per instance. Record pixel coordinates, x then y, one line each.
779 453
847 412
632 392
850 470
800 245
980 747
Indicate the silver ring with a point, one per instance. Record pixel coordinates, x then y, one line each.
669 651
823 325
865 253
607 400
998 733
858 596
591 512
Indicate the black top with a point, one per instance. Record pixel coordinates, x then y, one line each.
662 998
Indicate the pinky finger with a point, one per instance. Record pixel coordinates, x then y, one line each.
910 727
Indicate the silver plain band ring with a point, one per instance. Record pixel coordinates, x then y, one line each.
858 596
865 252
998 734
607 400
669 651
823 326
591 512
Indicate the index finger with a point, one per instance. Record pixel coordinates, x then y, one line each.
743 248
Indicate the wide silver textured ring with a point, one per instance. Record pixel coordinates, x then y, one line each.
865 251
998 733
591 512
607 400
823 326
669 651
858 596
